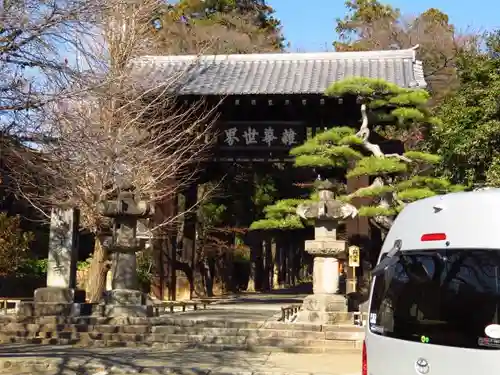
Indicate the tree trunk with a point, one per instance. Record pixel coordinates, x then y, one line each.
275 265
97 272
251 271
251 278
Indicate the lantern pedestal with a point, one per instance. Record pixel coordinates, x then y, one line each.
125 298
126 302
327 305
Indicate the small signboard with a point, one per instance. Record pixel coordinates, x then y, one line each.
353 256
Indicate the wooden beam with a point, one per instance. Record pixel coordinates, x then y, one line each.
358 229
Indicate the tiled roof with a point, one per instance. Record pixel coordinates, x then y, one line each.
280 73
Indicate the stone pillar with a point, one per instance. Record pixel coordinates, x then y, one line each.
59 297
124 260
63 238
125 298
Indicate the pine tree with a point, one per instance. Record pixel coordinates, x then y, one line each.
397 178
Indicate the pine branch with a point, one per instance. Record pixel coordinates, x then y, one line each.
397 179
364 134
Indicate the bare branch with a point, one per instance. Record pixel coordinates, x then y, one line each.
226 33
37 40
439 42
115 127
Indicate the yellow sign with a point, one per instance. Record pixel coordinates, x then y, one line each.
353 256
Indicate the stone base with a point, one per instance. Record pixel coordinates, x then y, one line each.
37 309
126 302
125 297
322 309
59 295
113 311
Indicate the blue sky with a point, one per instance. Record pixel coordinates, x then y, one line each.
309 25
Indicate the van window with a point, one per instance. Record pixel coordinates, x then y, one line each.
442 297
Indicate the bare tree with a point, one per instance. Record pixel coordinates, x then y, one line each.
381 27
37 42
116 128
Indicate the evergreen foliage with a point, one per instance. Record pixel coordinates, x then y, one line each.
468 135
14 244
398 178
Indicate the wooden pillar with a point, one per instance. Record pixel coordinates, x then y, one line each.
278 260
358 229
189 235
304 260
163 247
294 252
269 264
288 261
158 282
275 269
172 259
284 258
257 271
258 259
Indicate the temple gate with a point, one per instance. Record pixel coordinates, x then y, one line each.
267 104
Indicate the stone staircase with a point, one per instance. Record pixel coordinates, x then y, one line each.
169 332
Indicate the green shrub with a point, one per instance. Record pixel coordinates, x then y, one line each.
33 267
144 266
14 244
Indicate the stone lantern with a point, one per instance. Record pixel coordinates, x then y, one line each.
327 213
125 298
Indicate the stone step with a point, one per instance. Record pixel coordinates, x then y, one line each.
264 333
259 338
329 333
181 326
198 342
185 333
173 320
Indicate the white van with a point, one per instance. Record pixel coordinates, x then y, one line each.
435 298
